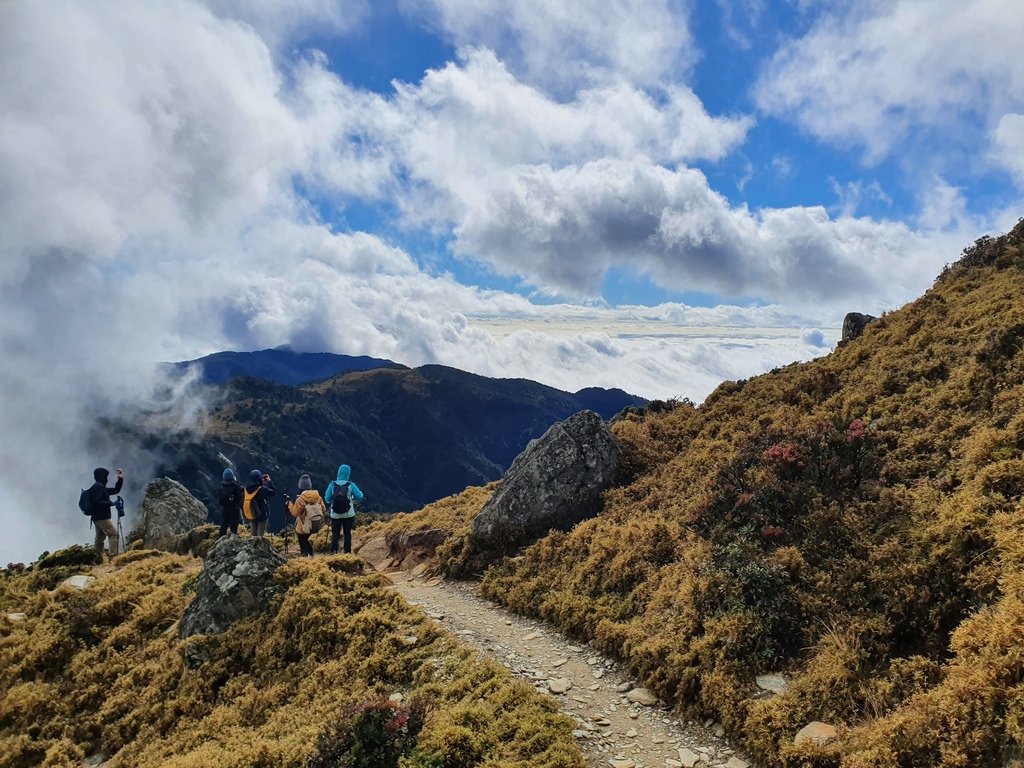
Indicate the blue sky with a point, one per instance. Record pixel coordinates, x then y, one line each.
779 165
656 195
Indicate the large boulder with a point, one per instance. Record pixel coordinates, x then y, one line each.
554 484
854 324
237 579
168 511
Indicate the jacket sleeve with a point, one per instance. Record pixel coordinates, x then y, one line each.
329 493
269 489
354 490
116 489
293 508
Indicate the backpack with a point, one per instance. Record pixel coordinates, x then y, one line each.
249 507
314 518
340 502
85 501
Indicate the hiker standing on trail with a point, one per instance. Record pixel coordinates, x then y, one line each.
308 510
99 509
256 502
342 495
230 498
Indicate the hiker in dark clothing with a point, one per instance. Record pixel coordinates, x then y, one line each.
99 509
256 502
230 498
342 495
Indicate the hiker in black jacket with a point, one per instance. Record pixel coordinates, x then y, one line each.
99 509
230 498
256 502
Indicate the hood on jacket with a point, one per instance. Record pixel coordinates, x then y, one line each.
255 476
228 476
100 474
311 496
344 473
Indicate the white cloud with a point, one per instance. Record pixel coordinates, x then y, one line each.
147 212
1008 145
875 72
280 21
562 45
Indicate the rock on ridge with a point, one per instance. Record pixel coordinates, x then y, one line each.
168 511
237 579
554 484
854 324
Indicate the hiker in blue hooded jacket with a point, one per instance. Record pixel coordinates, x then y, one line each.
341 496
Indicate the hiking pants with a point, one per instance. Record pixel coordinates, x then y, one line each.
229 520
105 529
260 528
337 523
304 546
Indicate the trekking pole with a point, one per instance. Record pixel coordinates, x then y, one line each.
119 504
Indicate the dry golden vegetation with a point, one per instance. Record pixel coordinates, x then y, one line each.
855 522
305 683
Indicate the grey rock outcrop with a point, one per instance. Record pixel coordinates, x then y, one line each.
554 484
237 579
854 324
168 511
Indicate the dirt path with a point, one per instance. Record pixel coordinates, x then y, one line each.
614 729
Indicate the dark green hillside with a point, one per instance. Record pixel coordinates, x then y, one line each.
411 436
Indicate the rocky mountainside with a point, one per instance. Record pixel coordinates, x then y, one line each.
829 558
411 436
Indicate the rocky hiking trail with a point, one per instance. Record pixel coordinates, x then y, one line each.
620 724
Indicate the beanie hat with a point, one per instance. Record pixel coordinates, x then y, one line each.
100 474
305 483
229 474
256 476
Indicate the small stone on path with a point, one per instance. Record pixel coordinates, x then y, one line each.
642 696
688 758
735 762
560 685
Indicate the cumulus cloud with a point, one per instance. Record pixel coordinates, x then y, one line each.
156 163
1008 145
874 72
563 45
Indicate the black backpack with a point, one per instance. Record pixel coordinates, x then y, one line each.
228 495
340 502
85 501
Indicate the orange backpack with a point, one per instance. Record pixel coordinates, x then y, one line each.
249 503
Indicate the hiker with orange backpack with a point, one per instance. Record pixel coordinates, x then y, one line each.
308 510
256 502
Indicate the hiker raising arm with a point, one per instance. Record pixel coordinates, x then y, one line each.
99 509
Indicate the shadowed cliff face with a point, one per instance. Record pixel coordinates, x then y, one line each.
411 436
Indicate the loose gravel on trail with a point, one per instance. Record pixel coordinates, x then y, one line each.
619 723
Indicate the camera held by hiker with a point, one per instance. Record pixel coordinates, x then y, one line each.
342 495
95 501
256 502
308 509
